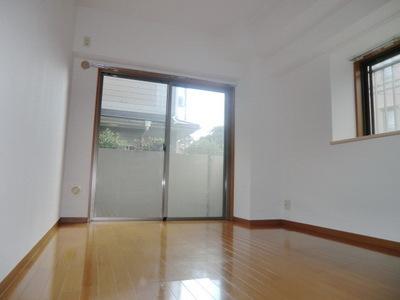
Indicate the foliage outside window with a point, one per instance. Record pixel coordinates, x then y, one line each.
147 144
377 82
212 144
112 140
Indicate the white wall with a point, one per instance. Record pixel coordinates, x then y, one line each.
79 137
342 95
257 144
352 187
283 126
133 43
36 42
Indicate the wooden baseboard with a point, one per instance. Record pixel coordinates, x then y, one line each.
372 241
73 220
241 221
36 250
323 231
273 222
256 223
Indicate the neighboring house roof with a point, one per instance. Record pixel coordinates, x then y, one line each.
132 115
141 116
132 119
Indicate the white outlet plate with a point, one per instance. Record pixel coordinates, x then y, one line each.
86 41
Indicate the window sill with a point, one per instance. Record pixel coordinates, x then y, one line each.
367 137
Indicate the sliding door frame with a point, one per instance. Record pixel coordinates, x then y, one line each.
171 81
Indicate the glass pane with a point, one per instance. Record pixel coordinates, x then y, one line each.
196 154
130 156
386 94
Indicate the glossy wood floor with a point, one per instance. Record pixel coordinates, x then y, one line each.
202 260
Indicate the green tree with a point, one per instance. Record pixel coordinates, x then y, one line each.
217 136
212 144
110 139
148 144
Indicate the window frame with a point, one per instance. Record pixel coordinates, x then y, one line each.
363 94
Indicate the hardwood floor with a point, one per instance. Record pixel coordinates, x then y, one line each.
202 260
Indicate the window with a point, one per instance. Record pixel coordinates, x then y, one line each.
377 82
156 135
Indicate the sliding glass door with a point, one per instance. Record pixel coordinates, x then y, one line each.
196 168
130 157
162 149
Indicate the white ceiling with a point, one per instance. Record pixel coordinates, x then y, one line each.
284 32
207 16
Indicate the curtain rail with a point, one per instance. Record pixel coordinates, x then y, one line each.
375 48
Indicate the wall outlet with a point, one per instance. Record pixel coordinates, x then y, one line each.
287 205
86 41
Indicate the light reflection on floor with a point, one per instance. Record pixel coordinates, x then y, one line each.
200 288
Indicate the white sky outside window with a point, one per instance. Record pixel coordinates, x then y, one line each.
205 108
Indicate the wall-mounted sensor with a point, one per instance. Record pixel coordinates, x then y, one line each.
85 65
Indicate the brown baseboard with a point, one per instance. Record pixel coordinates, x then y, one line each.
241 221
73 220
36 250
255 223
372 241
272 222
322 231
